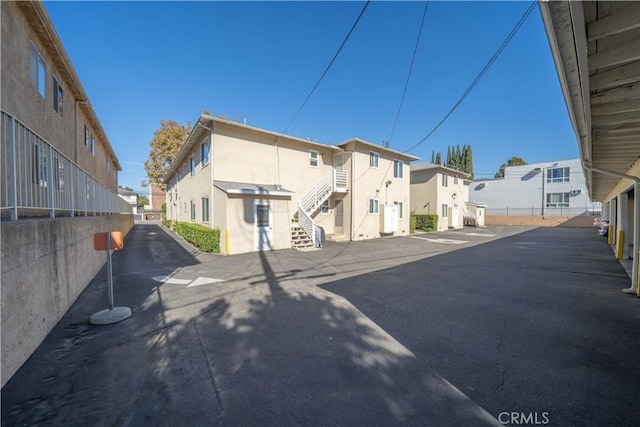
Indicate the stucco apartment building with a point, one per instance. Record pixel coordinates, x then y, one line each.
540 189
59 170
266 190
436 189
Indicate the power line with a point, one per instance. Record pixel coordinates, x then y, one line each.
295 116
413 58
480 75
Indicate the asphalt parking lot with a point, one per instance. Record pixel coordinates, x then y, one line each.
457 328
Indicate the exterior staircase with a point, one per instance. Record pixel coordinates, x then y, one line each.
303 230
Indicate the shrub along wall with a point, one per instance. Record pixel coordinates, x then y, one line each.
423 222
206 239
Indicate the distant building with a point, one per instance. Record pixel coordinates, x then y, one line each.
541 189
440 190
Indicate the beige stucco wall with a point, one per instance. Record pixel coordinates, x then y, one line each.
424 193
42 276
245 155
240 222
194 188
369 183
22 101
428 195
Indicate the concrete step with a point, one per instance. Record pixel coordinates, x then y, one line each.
336 237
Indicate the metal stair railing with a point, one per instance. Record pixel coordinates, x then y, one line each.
312 201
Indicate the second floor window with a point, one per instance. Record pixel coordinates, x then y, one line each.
204 152
57 96
314 158
93 145
374 159
445 180
398 166
558 175
86 135
37 71
192 166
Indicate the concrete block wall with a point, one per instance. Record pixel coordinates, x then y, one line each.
46 264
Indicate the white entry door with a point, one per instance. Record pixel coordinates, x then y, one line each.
263 230
455 221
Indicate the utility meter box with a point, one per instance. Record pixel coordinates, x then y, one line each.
389 219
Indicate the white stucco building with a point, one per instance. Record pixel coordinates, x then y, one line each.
546 189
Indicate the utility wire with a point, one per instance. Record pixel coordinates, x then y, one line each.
406 84
480 75
295 116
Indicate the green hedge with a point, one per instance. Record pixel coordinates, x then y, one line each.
167 223
423 222
206 239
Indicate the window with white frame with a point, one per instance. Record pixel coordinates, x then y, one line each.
374 159
193 210
325 207
205 209
314 158
445 210
374 206
204 152
192 166
86 135
400 206
558 175
455 180
398 169
445 180
58 94
38 71
557 200
93 145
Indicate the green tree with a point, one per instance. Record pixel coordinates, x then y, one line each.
165 145
438 158
513 161
433 156
142 201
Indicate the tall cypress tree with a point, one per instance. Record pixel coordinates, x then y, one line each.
433 156
438 158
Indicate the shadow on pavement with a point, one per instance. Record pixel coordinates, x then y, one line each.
533 322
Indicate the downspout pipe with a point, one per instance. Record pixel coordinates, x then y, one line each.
633 289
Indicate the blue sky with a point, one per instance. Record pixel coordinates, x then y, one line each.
141 62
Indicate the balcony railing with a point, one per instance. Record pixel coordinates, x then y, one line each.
38 180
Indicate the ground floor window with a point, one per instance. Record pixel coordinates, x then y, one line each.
374 206
325 207
557 200
445 210
205 209
193 210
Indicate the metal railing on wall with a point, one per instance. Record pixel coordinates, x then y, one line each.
38 180
548 211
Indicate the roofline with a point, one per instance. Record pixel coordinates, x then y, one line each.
189 142
379 148
436 166
36 13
